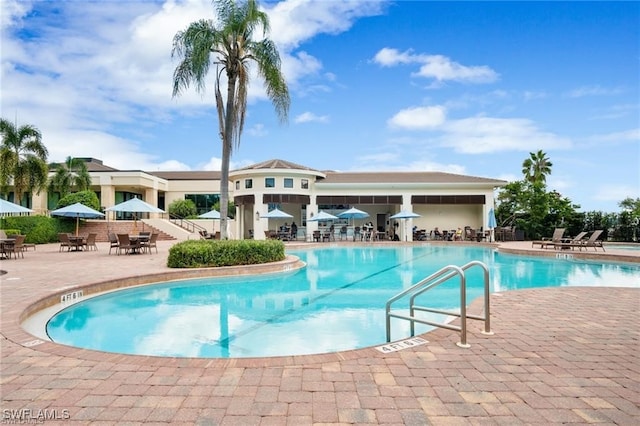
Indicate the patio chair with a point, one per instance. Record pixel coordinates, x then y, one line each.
556 238
147 245
16 247
90 243
343 232
113 242
357 234
124 243
63 237
316 236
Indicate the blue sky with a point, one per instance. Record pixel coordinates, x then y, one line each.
460 87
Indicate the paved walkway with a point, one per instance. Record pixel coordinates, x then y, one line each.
561 355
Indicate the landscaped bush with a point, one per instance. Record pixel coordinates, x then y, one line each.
88 198
183 209
38 229
212 253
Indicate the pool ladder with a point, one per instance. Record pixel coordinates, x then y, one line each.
432 281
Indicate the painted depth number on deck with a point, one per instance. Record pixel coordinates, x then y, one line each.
402 344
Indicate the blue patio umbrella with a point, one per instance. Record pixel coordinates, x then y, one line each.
276 214
404 214
77 210
491 224
353 213
322 216
212 214
135 205
7 207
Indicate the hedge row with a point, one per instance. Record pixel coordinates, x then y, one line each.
38 229
212 253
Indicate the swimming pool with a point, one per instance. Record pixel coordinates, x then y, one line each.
335 303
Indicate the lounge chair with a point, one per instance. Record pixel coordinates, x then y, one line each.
550 242
570 242
593 241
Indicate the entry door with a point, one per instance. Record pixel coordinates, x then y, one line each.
381 222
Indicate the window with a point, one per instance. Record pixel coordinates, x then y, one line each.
269 182
248 183
237 184
304 183
288 182
203 202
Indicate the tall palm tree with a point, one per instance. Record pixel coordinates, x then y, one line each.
229 45
72 174
536 167
23 158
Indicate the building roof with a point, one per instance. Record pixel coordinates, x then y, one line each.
188 175
405 177
95 165
276 164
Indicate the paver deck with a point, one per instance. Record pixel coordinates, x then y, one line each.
559 355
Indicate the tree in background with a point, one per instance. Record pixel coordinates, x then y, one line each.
70 175
231 208
183 209
88 198
230 46
23 159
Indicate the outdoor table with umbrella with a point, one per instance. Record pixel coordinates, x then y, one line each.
353 213
404 215
322 216
276 214
135 205
212 214
77 210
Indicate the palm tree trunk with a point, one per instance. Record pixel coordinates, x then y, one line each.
227 144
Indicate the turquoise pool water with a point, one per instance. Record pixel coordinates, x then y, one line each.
336 303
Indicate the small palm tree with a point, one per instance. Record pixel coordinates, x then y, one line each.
23 158
70 175
536 167
230 46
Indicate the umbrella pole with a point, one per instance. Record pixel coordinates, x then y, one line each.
77 224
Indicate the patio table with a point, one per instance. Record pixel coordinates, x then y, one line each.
77 242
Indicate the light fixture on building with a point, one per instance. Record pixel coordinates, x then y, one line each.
257 216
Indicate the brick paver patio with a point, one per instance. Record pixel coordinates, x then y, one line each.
559 355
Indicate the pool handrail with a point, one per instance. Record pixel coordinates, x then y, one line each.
444 274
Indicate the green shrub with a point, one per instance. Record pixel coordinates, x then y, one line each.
88 198
183 208
38 229
213 253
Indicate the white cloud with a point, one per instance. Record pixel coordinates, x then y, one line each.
616 193
438 67
476 135
632 135
594 91
418 118
308 117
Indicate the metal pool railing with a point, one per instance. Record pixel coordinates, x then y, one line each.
432 281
